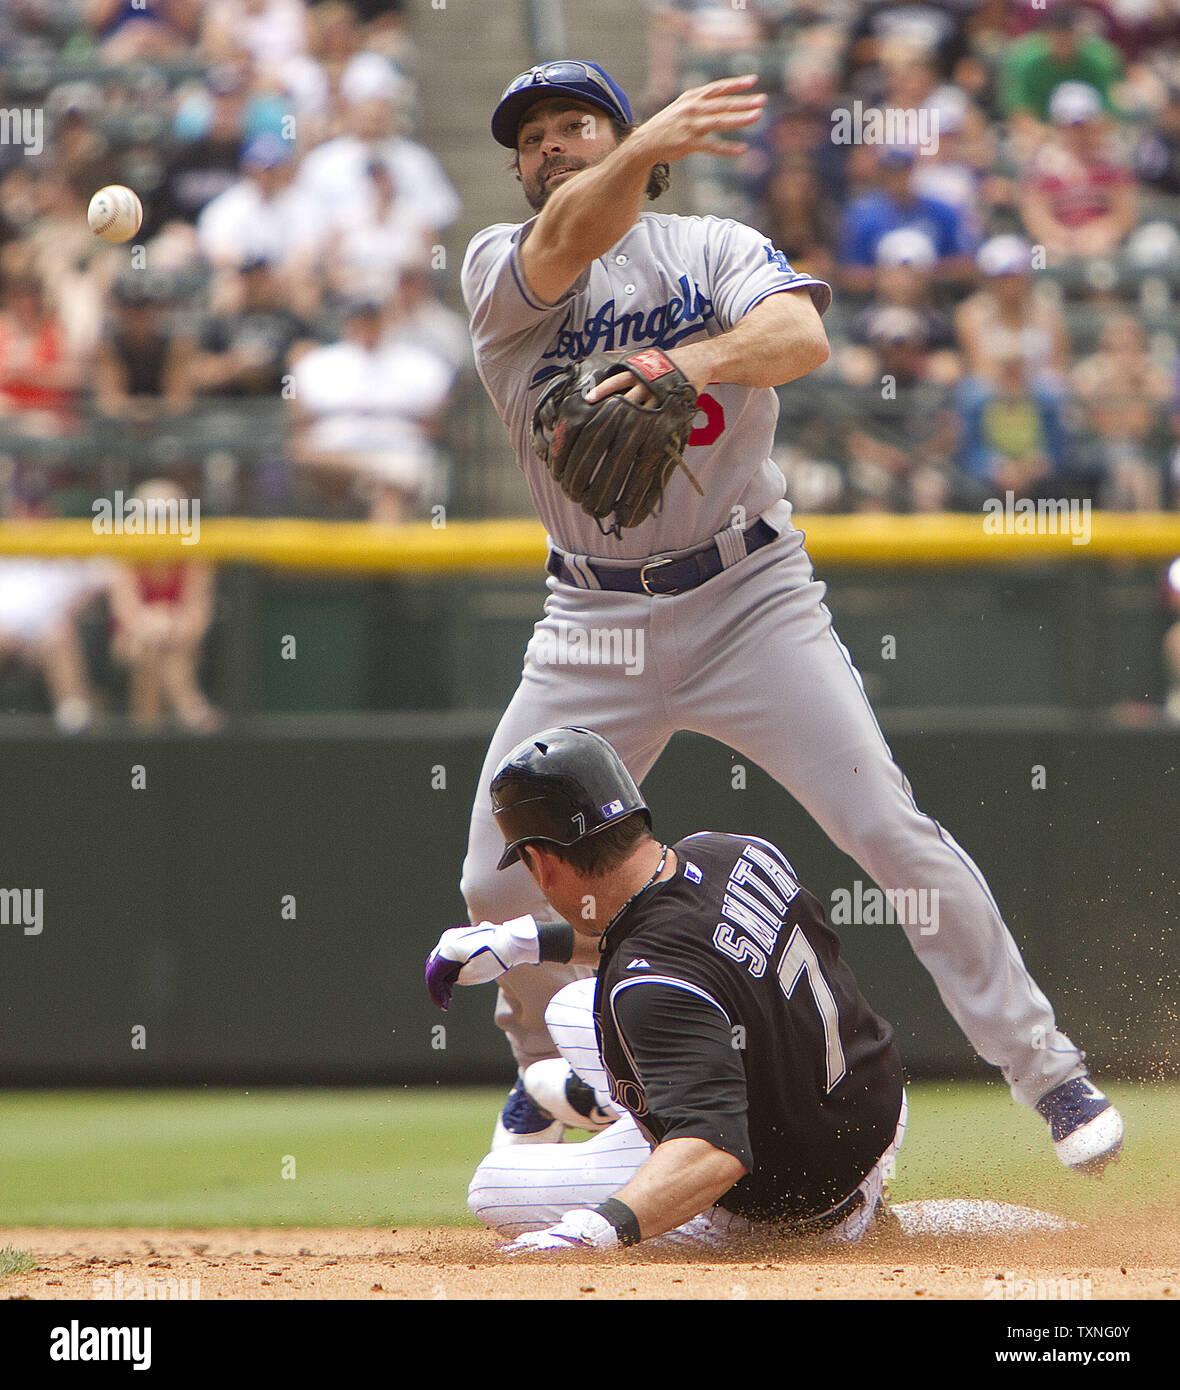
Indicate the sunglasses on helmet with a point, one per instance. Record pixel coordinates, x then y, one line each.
558 73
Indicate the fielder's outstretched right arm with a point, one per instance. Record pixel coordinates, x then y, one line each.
597 207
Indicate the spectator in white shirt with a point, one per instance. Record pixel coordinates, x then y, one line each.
266 215
369 409
369 243
41 599
335 174
417 315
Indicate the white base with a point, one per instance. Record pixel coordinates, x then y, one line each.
967 1216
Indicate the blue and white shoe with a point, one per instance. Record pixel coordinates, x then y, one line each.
522 1121
1087 1130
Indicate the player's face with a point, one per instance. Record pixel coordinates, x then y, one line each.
554 879
555 140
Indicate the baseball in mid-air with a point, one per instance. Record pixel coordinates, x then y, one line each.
115 213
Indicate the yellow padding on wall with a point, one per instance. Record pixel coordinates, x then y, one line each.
472 546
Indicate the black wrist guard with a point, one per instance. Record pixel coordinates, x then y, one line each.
555 941
622 1218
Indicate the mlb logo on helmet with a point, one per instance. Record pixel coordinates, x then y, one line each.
612 808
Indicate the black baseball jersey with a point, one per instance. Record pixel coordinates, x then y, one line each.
725 1013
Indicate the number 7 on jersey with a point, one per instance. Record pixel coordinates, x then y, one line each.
799 958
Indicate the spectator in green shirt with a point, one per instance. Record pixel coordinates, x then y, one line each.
1038 63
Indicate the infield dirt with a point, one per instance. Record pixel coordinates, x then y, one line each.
1137 1259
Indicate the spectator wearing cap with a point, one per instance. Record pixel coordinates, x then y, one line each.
1033 68
248 351
957 171
340 68
1007 314
266 214
335 174
938 30
144 365
897 442
893 204
1123 394
365 410
206 162
905 269
1078 198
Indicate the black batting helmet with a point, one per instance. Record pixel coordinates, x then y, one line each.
560 786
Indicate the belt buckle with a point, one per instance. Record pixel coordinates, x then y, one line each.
652 564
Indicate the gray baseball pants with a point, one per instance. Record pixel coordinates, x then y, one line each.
750 658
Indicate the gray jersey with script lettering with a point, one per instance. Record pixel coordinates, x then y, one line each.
669 280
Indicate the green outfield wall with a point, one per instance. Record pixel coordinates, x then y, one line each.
256 907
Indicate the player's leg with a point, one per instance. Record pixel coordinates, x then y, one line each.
784 693
620 701
527 1187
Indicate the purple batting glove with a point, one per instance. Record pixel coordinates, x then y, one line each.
475 955
441 975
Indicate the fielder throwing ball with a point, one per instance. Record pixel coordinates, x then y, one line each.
757 1091
597 329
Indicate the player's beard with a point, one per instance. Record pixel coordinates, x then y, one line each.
537 190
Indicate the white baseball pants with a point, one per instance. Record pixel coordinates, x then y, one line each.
526 1187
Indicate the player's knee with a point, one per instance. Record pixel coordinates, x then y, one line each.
482 887
877 840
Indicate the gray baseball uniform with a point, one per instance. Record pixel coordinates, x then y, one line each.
749 657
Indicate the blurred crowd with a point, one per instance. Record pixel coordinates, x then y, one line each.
992 186
279 344
289 274
993 189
